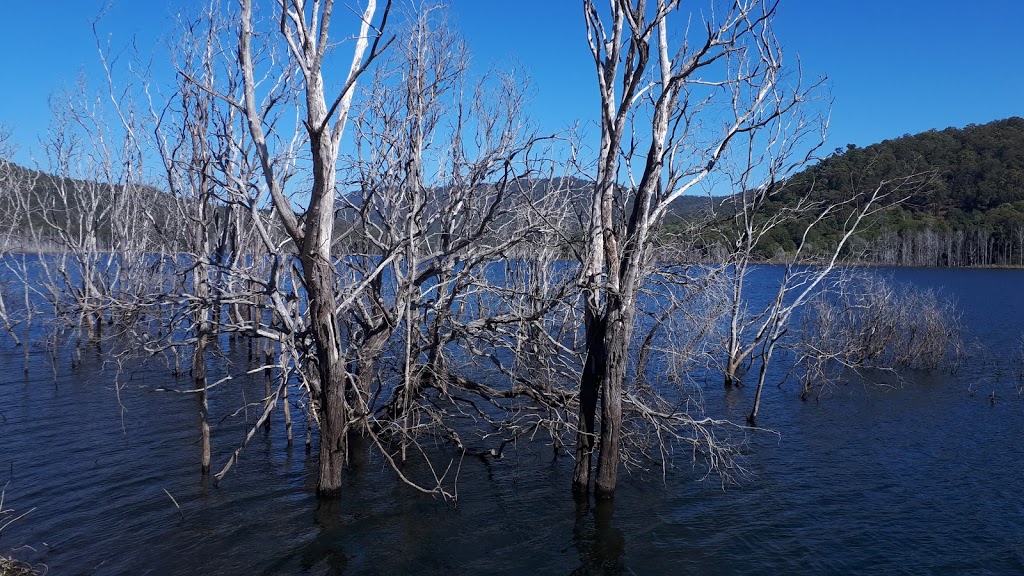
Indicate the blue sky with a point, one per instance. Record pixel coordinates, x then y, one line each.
894 67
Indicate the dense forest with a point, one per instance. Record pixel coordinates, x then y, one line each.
971 212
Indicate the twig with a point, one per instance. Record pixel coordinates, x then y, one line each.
175 503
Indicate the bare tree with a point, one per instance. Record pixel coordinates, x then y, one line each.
451 185
770 201
183 129
660 96
802 279
233 259
441 185
90 215
13 182
305 29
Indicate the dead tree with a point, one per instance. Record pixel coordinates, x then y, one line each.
801 280
233 259
864 322
13 181
183 128
769 200
661 92
91 213
305 30
449 182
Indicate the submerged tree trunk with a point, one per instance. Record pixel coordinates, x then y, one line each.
734 349
268 377
319 279
590 388
762 374
201 288
199 378
617 332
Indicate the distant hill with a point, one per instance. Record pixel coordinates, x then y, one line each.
27 195
36 206
972 214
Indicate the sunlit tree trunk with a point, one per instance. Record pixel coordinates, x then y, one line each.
305 30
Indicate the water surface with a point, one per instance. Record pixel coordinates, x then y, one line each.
919 475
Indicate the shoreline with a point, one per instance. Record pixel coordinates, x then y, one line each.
4 252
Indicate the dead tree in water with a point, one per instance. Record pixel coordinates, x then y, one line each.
434 196
12 180
91 216
305 31
774 203
865 322
183 129
233 261
660 93
450 182
225 162
752 336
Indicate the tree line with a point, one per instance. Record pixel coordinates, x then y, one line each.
970 214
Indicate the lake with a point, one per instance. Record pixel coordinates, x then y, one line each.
918 475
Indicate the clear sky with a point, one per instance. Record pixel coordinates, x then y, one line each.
895 66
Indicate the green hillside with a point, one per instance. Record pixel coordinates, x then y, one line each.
970 214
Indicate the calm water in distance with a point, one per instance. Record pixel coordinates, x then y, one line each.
919 477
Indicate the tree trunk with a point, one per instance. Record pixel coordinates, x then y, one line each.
202 329
367 355
201 320
268 377
287 413
767 356
616 344
319 279
199 377
732 366
590 386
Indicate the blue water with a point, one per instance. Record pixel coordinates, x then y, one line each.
915 475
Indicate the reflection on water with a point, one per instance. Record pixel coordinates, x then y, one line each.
600 544
326 549
921 477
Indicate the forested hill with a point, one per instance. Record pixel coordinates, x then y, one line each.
42 211
972 214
